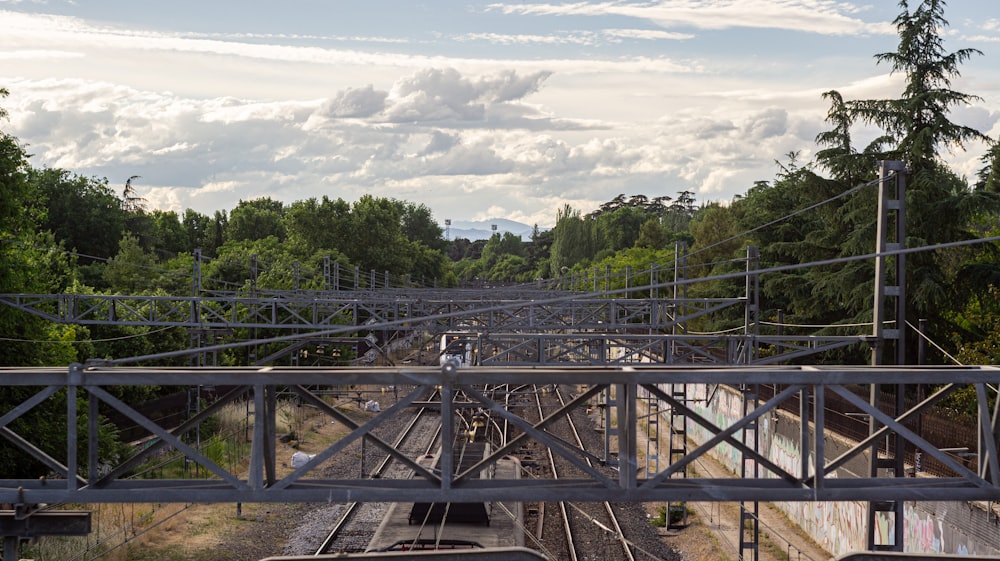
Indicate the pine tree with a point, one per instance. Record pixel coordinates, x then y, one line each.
918 120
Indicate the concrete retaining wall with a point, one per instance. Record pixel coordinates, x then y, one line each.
840 527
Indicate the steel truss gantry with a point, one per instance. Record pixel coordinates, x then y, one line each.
416 309
597 349
78 479
563 328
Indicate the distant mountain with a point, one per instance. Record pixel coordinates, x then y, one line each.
483 229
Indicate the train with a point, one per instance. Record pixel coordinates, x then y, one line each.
459 348
455 526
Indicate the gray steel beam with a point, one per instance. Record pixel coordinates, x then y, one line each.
307 484
518 328
324 310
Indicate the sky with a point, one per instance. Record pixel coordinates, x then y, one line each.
478 110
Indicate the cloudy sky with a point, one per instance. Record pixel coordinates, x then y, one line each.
479 110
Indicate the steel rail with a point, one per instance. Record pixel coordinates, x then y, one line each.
563 511
380 469
616 528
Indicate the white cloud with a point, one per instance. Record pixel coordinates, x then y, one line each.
355 102
827 17
524 39
208 154
447 95
587 38
39 54
208 119
647 34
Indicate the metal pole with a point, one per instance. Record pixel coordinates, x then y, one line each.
890 294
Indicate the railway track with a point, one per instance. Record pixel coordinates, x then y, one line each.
419 436
575 531
561 531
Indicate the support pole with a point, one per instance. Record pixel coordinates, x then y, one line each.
889 308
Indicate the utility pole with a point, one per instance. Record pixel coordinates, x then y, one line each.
889 308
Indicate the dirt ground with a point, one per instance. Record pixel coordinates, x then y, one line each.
712 532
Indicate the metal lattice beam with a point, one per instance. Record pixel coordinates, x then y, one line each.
307 484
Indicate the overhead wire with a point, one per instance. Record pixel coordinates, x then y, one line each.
81 341
793 214
545 301
648 286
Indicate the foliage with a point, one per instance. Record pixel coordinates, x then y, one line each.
918 119
981 318
83 213
129 272
255 220
419 226
314 225
30 262
46 424
572 241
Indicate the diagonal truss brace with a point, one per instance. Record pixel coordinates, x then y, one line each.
776 484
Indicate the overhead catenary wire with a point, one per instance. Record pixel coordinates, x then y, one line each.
82 341
793 214
543 301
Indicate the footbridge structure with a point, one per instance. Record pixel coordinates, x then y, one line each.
78 477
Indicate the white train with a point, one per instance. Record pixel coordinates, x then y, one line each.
460 348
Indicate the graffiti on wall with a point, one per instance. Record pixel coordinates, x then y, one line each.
839 527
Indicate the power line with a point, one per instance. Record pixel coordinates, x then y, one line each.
81 341
795 213
546 301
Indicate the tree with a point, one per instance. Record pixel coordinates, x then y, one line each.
499 246
538 249
377 242
83 213
619 229
940 205
419 226
715 239
918 120
197 229
653 234
509 268
839 157
255 220
458 248
988 177
169 237
572 241
30 263
219 225
137 220
317 225
680 212
130 272
132 203
430 266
